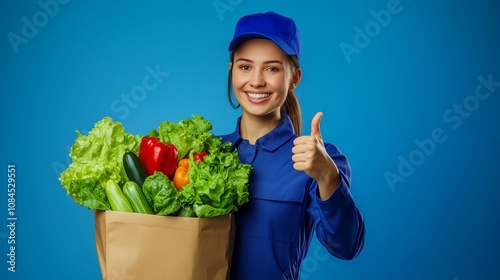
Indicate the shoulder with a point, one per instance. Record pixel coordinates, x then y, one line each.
233 136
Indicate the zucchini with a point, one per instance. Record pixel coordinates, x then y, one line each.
116 198
134 168
136 197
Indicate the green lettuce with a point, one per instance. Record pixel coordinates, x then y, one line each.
161 194
97 158
219 184
187 135
89 193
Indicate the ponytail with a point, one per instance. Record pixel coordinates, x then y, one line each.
291 107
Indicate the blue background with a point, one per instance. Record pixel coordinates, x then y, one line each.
439 220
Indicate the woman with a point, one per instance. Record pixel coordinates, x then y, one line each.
298 183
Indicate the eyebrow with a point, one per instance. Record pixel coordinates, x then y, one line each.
265 62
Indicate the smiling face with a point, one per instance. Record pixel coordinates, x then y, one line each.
262 75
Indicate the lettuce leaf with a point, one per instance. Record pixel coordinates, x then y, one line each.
218 185
187 135
96 158
161 194
89 193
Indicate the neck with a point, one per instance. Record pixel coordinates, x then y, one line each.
254 127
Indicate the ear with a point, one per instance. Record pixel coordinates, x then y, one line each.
297 75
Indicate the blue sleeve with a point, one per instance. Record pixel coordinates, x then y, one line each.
337 221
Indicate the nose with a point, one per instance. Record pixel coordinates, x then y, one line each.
257 79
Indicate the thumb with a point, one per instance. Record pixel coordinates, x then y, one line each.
315 125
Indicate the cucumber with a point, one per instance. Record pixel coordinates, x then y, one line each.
116 198
136 197
134 168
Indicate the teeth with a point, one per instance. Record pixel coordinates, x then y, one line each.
258 95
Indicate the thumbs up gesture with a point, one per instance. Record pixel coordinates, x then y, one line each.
310 156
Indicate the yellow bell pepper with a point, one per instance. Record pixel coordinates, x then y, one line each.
181 176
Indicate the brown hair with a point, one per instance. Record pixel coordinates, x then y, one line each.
290 107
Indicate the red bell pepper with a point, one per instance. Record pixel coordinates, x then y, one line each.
158 156
199 156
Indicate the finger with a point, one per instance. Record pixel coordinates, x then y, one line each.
300 166
299 150
302 140
315 125
298 158
305 144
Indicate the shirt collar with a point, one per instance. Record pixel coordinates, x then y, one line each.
272 140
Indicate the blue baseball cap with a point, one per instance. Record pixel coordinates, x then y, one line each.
277 28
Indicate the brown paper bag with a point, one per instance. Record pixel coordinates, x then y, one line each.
133 246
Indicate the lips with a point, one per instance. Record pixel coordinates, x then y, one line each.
256 95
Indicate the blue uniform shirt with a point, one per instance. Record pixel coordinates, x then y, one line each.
274 229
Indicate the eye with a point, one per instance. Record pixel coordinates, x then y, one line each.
272 69
244 67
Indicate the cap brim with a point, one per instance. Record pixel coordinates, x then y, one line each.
253 35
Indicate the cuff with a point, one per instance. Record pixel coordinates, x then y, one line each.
341 196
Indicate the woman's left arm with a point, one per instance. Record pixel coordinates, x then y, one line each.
338 223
